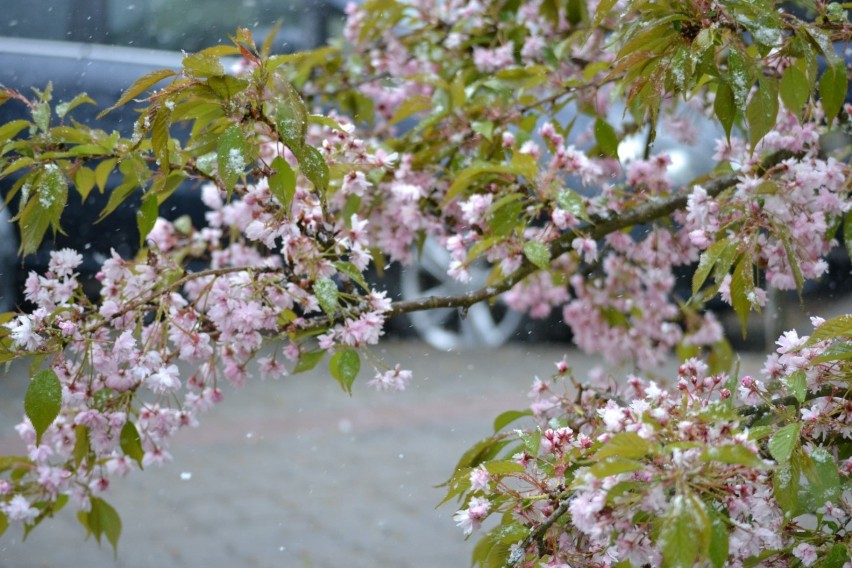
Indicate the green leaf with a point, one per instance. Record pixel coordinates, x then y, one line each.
84 181
795 89
308 360
576 12
781 444
614 466
823 478
291 118
43 401
503 467
740 77
840 351
762 110
146 217
465 177
160 136
606 138
102 172
45 210
4 523
785 486
832 88
733 454
326 293
352 272
344 366
719 545
203 65
118 195
838 556
508 417
131 442
282 183
484 128
226 86
232 156
411 106
602 11
840 326
41 115
742 291
572 202
624 445
11 129
525 165
326 121
81 444
686 532
482 451
62 109
141 84
794 263
797 384
102 519
725 108
847 232
537 253
505 219
314 167
708 260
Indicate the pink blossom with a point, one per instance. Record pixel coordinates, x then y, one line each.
480 479
470 519
23 334
805 552
18 508
395 379
487 60
63 262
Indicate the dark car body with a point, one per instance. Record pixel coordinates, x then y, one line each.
102 72
62 43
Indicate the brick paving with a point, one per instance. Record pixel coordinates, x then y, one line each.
297 474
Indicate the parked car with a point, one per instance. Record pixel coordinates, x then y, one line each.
61 41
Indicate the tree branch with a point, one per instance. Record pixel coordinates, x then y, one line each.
753 413
597 229
536 534
758 411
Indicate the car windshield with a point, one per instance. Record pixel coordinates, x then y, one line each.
188 25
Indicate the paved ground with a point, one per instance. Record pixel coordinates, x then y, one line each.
296 473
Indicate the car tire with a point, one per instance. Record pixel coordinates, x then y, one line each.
8 263
481 325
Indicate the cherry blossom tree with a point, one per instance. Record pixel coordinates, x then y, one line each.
492 128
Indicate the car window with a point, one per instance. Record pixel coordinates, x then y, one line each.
188 25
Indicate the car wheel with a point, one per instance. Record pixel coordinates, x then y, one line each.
8 263
484 324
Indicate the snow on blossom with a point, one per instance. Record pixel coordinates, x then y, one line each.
18 508
470 519
63 262
480 479
806 552
23 334
395 379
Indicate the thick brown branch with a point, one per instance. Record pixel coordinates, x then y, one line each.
756 412
597 229
536 534
176 285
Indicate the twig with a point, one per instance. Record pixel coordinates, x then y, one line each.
536 534
596 229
